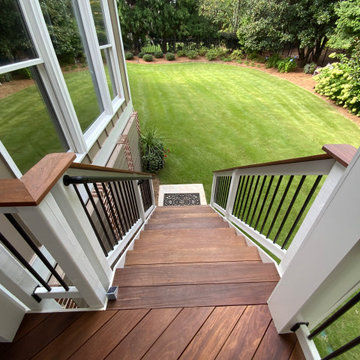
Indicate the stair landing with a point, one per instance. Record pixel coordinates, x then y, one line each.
190 289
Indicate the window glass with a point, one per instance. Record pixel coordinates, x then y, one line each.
65 30
105 54
16 45
26 128
99 22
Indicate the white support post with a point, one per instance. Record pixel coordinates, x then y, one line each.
325 267
50 227
139 201
74 213
212 200
232 193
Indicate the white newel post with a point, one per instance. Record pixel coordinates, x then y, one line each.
49 225
325 269
213 186
232 193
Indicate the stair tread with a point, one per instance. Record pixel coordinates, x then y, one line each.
184 209
188 224
174 243
195 273
193 295
208 254
167 217
169 233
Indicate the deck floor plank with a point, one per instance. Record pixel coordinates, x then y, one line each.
75 335
208 341
275 346
247 334
140 339
110 335
178 335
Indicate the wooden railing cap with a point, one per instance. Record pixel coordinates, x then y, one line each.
343 153
31 189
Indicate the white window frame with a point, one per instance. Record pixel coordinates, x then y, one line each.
53 79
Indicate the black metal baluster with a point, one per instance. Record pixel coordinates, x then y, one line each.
115 225
107 217
98 215
116 206
280 205
123 217
237 197
23 261
258 200
216 189
243 196
247 197
271 203
129 200
343 349
36 250
290 206
222 193
264 201
90 220
133 199
306 202
123 204
252 198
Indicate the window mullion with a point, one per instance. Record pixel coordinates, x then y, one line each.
112 52
93 47
52 76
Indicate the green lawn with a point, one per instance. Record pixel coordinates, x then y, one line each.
215 116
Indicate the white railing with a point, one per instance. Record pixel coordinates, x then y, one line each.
51 242
320 269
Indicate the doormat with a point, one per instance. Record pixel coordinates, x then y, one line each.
181 199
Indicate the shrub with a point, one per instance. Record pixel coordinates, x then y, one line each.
5 77
339 83
252 55
181 53
22 73
310 68
202 51
159 54
261 59
220 51
211 54
286 65
141 54
129 56
148 57
152 151
170 56
225 59
237 55
191 54
272 61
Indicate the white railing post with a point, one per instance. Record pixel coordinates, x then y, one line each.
139 201
232 193
325 269
213 186
152 192
49 225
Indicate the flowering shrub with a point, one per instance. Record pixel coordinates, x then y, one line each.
272 61
237 55
286 65
310 68
192 54
181 53
339 83
202 51
212 54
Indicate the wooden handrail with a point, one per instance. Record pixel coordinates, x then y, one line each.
31 189
107 169
342 153
34 185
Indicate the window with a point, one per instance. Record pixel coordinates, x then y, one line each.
67 47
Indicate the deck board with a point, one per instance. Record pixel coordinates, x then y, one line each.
208 341
185 274
193 295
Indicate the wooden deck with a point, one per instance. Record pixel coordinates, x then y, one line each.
191 289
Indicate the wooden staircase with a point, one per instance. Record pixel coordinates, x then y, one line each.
189 256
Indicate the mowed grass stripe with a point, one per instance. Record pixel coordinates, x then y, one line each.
214 116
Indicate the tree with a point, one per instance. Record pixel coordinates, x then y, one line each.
347 25
63 29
